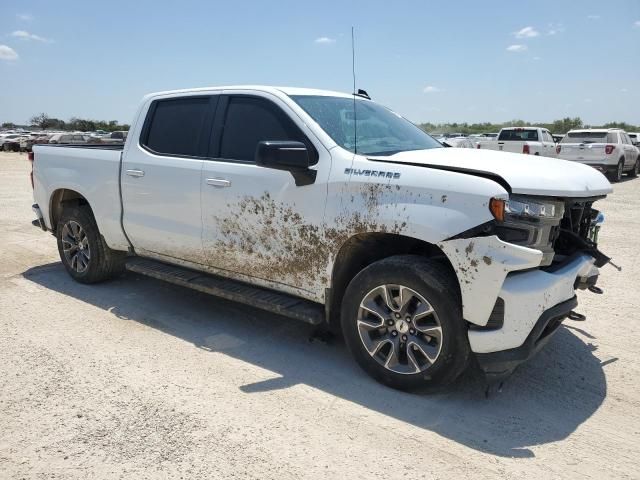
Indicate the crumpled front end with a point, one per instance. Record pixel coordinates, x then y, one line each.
518 281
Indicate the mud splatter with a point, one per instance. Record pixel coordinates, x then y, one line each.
469 248
487 260
443 199
271 240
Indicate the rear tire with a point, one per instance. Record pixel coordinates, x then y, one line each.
411 333
616 175
83 250
633 173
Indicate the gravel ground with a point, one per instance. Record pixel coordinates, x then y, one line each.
135 378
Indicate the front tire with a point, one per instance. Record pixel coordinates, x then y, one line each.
83 250
402 322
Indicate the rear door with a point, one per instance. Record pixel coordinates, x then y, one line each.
258 224
161 178
630 152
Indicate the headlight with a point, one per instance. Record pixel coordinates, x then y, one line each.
532 222
521 207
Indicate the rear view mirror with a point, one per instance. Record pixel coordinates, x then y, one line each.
286 155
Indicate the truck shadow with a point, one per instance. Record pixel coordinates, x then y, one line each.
544 401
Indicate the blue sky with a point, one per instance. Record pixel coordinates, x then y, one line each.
445 61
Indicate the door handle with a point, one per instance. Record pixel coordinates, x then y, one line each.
218 182
135 173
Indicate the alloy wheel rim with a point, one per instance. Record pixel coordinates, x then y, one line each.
620 168
400 329
75 245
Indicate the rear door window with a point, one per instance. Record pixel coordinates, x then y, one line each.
175 126
250 120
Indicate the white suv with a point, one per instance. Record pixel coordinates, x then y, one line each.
609 150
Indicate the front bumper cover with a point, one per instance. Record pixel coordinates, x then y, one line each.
497 365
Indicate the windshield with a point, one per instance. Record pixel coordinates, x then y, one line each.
585 137
519 135
380 131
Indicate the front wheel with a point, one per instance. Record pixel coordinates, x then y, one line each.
402 322
83 250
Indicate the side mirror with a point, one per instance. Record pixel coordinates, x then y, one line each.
286 155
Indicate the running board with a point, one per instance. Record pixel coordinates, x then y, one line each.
262 298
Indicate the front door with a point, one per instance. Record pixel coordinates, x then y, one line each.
257 224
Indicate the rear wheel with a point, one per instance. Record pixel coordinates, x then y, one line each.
636 169
402 322
616 175
83 250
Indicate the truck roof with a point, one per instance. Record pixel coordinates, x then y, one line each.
599 130
261 88
523 128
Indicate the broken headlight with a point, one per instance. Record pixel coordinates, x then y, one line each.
532 222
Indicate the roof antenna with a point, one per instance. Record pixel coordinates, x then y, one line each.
353 70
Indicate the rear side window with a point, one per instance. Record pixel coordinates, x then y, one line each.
175 126
612 137
250 120
519 135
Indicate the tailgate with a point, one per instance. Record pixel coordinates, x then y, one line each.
583 152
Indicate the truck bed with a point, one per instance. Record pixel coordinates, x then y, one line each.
92 171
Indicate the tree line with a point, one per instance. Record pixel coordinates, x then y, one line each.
45 122
557 126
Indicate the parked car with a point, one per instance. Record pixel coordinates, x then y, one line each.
422 256
114 137
69 139
10 142
635 138
608 150
557 137
458 142
527 140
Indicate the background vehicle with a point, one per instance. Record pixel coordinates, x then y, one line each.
10 142
635 138
527 140
557 137
458 142
608 150
69 139
422 256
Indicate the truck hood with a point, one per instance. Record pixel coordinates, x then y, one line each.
524 174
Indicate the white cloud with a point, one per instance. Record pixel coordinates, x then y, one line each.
555 28
7 53
29 36
325 40
527 32
636 24
431 89
516 48
25 17
593 17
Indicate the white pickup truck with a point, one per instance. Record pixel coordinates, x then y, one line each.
527 140
331 209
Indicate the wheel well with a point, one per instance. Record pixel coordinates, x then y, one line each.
361 251
62 198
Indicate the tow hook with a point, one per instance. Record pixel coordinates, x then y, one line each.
595 289
577 317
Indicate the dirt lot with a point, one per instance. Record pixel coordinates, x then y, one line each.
138 379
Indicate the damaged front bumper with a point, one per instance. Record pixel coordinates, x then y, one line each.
511 305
